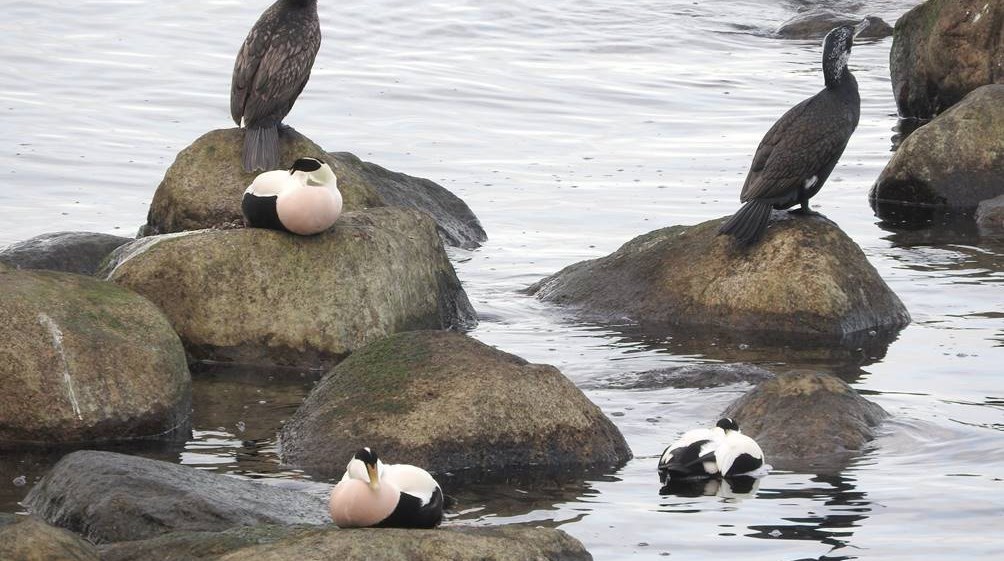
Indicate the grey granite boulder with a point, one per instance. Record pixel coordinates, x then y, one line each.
265 297
71 252
815 23
944 49
447 402
31 539
109 497
956 160
990 216
807 420
84 360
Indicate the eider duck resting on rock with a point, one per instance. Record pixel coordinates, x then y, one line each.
304 200
798 153
372 493
722 451
272 68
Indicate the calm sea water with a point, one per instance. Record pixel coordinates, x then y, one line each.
569 127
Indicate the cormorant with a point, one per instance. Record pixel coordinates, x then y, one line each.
272 67
304 200
798 153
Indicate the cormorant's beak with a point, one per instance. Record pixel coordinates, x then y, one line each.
374 476
861 26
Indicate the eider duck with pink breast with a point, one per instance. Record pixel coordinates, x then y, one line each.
302 200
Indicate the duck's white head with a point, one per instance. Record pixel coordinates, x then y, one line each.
317 172
365 466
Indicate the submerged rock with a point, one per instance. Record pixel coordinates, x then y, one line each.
500 543
447 402
71 252
802 418
110 497
990 217
267 297
806 277
31 539
84 360
956 160
204 185
458 225
944 49
817 22
698 376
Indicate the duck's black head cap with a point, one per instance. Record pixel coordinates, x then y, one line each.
366 456
727 423
306 164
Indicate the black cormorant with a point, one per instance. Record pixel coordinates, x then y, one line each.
798 153
272 67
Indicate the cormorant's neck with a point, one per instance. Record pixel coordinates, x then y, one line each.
300 3
835 79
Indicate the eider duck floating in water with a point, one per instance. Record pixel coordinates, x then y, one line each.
303 200
798 153
271 70
372 493
722 451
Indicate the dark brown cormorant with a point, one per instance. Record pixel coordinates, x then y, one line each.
272 67
798 153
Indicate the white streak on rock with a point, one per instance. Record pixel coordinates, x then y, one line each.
57 343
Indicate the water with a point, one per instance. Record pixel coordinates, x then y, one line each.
569 127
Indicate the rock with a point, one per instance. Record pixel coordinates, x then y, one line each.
944 49
84 360
990 216
204 185
458 226
500 543
817 22
267 297
109 497
33 540
698 376
806 277
198 546
806 417
447 402
71 252
956 160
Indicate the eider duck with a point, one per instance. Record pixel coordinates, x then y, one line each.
798 153
372 493
737 454
691 456
304 200
271 70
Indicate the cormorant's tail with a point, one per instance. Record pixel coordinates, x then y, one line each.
748 223
261 148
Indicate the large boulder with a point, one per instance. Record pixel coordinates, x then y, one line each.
84 360
956 160
267 297
458 225
71 252
109 497
447 402
204 185
502 543
804 277
198 546
31 539
944 49
806 419
815 23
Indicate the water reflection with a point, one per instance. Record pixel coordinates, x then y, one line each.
735 488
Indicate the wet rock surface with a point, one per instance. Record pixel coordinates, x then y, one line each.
458 226
807 419
71 252
446 402
198 546
264 297
109 497
990 217
806 277
84 360
944 49
956 160
30 539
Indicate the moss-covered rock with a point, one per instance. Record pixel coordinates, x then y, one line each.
31 539
204 185
198 546
110 497
956 160
501 543
83 360
71 252
805 277
815 23
267 297
944 49
806 420
447 402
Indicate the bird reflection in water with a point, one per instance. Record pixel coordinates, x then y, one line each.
738 488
